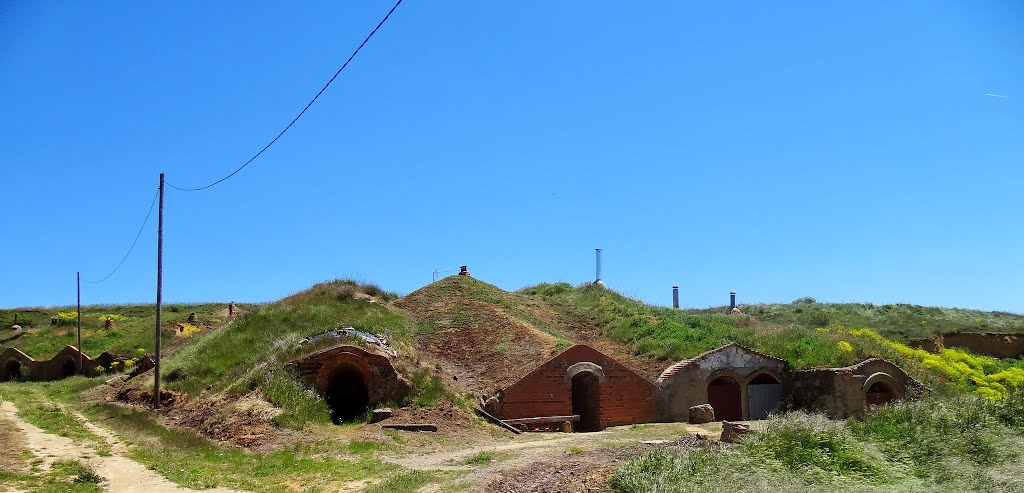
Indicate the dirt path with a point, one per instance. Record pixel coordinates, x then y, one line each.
532 445
563 463
447 460
120 474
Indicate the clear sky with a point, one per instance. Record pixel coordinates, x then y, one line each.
841 150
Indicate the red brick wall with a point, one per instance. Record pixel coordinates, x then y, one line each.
626 397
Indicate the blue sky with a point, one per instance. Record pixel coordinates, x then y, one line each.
841 150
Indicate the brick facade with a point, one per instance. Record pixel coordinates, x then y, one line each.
622 396
380 378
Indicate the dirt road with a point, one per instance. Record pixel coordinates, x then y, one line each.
120 474
553 462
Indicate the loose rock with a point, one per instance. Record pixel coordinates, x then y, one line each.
702 413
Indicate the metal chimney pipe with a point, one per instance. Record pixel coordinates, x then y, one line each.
598 280
732 299
675 296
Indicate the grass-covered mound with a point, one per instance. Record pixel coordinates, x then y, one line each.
133 327
484 336
940 443
250 353
669 335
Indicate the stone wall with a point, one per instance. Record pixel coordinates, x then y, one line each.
686 383
622 396
844 392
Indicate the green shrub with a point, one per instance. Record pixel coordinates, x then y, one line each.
816 445
928 434
984 376
66 318
427 388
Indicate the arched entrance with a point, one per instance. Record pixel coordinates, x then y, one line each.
764 394
12 370
586 401
880 393
724 396
67 368
346 394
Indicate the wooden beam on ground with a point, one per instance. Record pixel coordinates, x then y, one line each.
543 419
410 427
494 419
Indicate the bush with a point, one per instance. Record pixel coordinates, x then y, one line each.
984 376
815 445
427 388
930 434
66 318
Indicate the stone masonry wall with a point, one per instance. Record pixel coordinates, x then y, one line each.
842 392
685 384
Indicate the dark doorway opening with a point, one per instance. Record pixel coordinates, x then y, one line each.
347 395
879 394
764 396
724 396
586 401
67 369
12 370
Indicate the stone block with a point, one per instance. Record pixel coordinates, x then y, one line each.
380 414
702 413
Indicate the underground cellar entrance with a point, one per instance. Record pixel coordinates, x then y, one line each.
12 370
724 396
879 394
586 401
346 394
67 369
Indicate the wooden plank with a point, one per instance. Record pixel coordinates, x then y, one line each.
410 427
543 419
494 419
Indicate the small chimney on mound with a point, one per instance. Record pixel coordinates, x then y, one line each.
732 300
598 281
464 271
675 297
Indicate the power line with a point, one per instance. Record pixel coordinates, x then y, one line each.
137 236
324 88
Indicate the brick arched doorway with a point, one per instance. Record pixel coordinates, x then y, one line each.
346 393
725 396
586 401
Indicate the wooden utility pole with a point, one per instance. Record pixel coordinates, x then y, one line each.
159 292
79 312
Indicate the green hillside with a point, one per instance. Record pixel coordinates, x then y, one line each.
230 375
670 335
899 321
133 327
250 354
